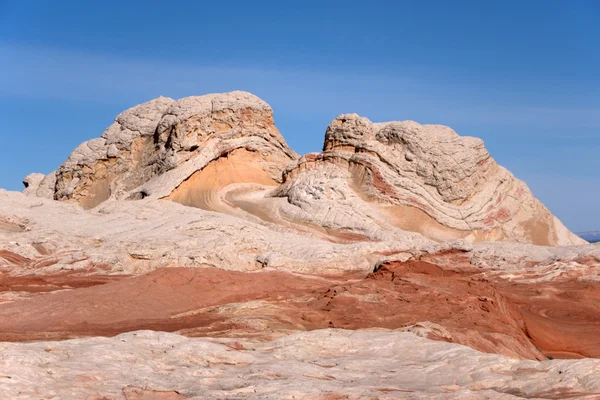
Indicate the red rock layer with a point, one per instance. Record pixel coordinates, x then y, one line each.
498 317
562 318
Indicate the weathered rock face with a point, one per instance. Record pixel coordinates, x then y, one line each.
165 135
32 183
422 178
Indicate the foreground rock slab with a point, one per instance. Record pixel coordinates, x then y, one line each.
324 364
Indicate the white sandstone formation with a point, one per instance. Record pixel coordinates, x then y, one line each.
322 364
421 178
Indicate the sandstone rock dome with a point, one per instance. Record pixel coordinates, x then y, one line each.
378 177
157 145
421 178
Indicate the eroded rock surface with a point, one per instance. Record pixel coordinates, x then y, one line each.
134 237
323 364
169 140
210 302
193 216
421 178
522 316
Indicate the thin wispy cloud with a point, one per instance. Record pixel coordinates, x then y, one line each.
33 72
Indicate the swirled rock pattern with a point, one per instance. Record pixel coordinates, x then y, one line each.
170 140
421 178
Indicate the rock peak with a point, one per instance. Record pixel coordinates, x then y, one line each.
448 183
163 134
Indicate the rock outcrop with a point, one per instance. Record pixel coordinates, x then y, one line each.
169 141
223 153
421 178
32 183
40 185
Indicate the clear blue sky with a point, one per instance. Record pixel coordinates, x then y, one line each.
522 75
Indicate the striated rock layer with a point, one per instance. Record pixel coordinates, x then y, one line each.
420 178
170 140
531 314
209 302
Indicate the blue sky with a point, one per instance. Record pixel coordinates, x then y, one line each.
524 76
